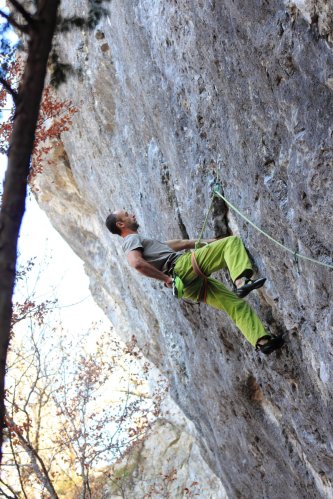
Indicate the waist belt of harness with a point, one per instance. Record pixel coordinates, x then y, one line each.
203 290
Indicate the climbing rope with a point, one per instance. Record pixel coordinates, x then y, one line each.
296 255
198 243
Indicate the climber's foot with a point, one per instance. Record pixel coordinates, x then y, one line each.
244 286
267 344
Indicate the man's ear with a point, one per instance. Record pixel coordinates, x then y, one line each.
120 225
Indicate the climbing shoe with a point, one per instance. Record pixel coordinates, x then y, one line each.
272 343
249 286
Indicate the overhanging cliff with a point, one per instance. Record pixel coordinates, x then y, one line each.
171 94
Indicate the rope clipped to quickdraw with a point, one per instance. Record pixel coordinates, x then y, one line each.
217 192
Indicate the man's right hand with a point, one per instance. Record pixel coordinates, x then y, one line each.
168 282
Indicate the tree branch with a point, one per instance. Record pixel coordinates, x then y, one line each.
22 11
15 496
6 495
9 89
22 27
36 460
17 464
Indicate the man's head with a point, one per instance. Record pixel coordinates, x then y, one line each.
122 223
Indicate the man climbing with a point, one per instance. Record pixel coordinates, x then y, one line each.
166 261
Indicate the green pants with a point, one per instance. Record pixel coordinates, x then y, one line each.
223 253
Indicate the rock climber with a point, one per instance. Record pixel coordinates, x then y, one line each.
165 261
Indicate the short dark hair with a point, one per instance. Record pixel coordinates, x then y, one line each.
111 223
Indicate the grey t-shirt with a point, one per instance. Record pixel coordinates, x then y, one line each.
158 254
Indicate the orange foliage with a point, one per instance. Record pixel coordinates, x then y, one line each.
54 119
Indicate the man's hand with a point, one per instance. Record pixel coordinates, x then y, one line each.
168 282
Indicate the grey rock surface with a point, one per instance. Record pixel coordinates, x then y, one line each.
166 464
170 95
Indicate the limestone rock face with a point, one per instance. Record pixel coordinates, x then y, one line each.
167 463
318 13
170 95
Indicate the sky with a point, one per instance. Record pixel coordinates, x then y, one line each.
58 270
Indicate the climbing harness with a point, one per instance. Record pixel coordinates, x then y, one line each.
178 287
199 273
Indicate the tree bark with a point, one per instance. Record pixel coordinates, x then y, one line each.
15 186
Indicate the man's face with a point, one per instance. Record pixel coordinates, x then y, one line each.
128 221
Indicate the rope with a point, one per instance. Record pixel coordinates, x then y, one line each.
296 255
198 243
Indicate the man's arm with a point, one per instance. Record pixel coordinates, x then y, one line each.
186 244
136 260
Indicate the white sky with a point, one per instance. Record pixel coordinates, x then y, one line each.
58 270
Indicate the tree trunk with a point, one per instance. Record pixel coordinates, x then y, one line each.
15 185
